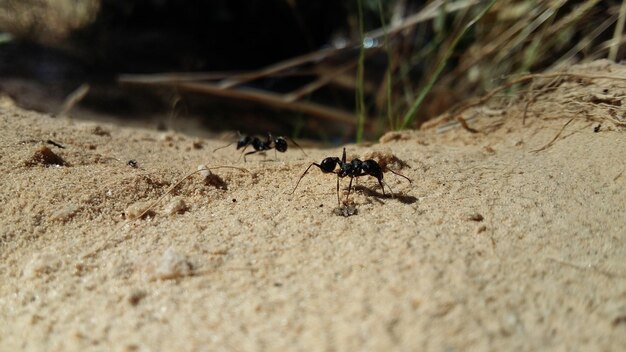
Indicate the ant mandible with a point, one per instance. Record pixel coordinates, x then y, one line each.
277 143
352 169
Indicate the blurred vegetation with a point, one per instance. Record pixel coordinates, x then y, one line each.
397 79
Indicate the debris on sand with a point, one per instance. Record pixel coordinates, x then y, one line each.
172 265
47 157
346 210
176 206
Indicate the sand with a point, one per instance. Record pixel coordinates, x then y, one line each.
507 239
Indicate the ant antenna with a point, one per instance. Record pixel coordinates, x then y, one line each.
226 146
301 176
297 145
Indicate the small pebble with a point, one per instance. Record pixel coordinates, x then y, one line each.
176 206
204 171
172 265
137 209
346 210
41 264
66 213
475 217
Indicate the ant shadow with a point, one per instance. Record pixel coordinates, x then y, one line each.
405 199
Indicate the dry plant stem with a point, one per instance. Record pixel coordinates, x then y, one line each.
509 84
567 58
465 125
74 98
553 139
410 115
618 33
550 87
234 79
583 268
269 99
318 83
178 184
360 95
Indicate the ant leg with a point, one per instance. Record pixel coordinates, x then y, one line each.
386 184
338 200
349 189
252 152
244 156
399 174
343 158
222 147
380 182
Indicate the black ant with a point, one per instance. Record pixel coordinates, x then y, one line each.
354 168
277 143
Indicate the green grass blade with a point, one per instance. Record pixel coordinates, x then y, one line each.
360 94
410 115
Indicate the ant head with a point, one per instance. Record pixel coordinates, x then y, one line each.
329 164
280 144
243 141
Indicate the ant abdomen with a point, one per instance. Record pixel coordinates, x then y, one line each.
243 142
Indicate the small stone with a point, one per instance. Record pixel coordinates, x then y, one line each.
136 296
176 206
346 210
41 264
138 209
46 157
475 217
172 265
66 213
204 171
99 131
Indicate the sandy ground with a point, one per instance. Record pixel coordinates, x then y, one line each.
497 244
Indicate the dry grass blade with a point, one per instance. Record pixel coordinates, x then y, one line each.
553 139
618 34
74 98
318 83
523 79
151 206
265 98
566 59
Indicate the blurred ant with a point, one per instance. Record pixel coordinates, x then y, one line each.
277 143
352 169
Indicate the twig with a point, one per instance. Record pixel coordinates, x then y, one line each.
73 98
269 99
553 139
410 114
618 33
582 268
522 79
463 123
181 181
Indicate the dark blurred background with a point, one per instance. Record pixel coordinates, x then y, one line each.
55 47
49 48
